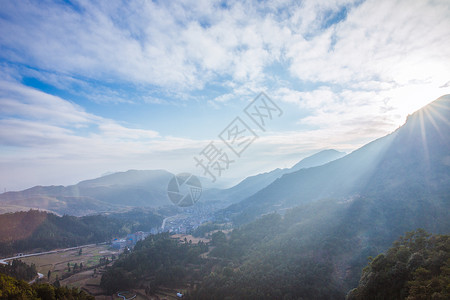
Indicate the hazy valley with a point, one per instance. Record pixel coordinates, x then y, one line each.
222 150
321 218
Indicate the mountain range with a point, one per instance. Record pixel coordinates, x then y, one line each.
413 162
137 188
112 192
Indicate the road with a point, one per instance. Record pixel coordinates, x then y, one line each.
4 260
167 218
125 298
40 275
164 223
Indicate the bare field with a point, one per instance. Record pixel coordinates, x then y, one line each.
189 237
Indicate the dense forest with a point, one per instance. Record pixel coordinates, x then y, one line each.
157 261
12 288
417 266
38 230
316 251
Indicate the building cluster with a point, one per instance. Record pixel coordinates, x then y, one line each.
130 240
182 223
189 220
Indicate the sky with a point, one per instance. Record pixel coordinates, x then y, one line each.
93 87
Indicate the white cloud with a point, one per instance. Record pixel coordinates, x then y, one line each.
349 81
388 41
32 117
19 100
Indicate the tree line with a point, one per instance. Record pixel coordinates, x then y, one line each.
12 288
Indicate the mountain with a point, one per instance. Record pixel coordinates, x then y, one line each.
411 163
133 188
107 193
343 212
253 184
333 217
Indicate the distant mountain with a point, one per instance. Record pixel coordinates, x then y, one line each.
253 184
318 159
107 193
411 164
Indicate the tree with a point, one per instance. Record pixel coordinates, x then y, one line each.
49 274
218 238
116 279
68 267
57 284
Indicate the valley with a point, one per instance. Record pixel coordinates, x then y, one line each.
334 226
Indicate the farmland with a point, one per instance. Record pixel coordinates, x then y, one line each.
89 277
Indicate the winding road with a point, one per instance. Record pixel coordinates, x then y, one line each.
40 275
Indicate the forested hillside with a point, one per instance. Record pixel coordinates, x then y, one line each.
315 251
417 266
156 261
37 230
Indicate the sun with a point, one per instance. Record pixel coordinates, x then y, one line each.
411 98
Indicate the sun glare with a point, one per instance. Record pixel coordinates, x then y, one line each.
411 98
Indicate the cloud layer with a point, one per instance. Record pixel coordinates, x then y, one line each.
344 72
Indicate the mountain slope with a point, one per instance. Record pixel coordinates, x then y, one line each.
412 162
253 184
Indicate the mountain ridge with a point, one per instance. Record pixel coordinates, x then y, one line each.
255 183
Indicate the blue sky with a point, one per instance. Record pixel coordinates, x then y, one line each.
89 87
